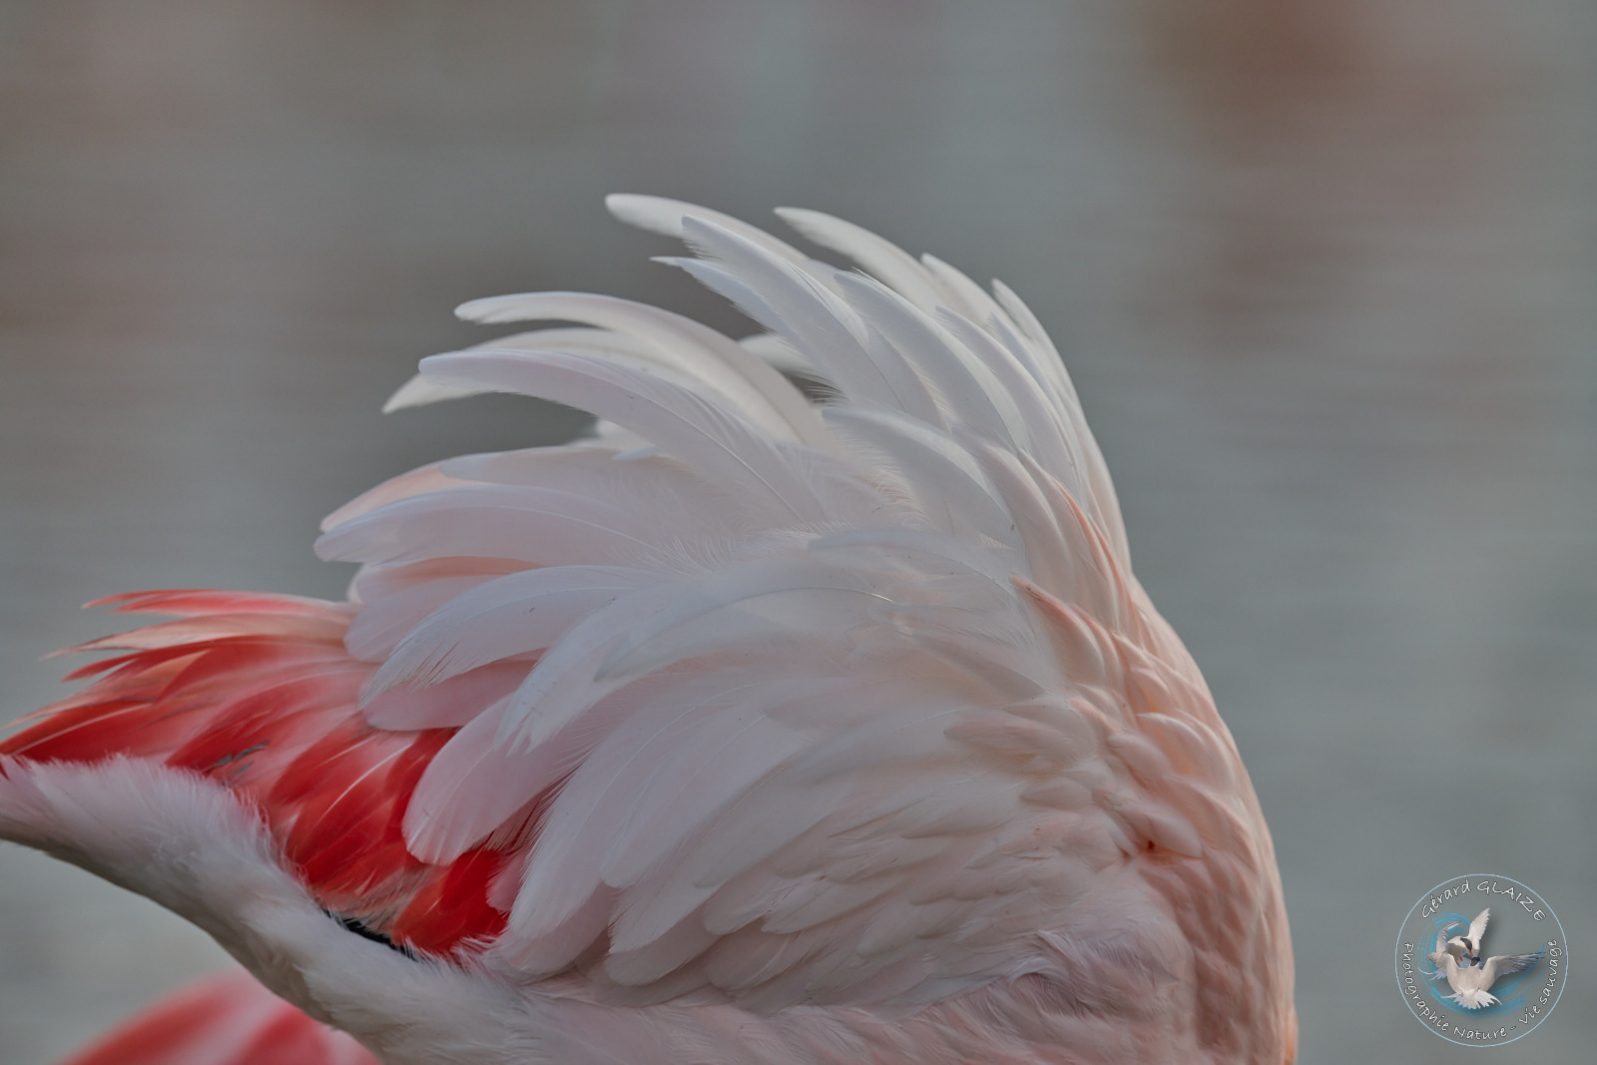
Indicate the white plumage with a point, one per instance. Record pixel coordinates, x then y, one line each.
1457 960
837 735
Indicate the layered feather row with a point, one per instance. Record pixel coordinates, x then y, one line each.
817 694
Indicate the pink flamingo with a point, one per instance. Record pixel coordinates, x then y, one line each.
749 731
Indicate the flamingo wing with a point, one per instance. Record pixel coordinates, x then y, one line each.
741 701
841 713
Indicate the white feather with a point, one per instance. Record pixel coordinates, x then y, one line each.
768 399
968 392
534 525
797 304
882 259
501 618
666 217
953 491
685 423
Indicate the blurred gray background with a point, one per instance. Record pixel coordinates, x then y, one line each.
1324 273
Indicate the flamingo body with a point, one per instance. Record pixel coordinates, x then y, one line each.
746 732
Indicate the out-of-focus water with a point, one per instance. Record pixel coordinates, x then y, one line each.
1323 272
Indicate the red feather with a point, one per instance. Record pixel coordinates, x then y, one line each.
258 692
227 1020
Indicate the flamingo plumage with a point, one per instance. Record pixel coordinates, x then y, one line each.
748 731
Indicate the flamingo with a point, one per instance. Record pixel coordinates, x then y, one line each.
748 730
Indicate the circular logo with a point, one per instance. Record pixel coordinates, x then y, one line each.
1481 959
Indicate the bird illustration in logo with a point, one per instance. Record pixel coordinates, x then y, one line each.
1458 961
1468 945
